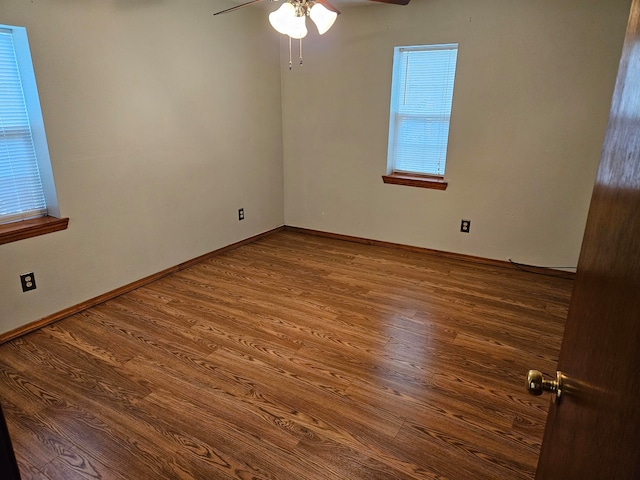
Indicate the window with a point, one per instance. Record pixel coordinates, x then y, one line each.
26 180
421 99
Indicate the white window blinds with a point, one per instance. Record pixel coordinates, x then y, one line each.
21 194
421 98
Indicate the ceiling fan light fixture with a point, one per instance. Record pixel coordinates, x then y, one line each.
286 20
297 27
282 18
322 17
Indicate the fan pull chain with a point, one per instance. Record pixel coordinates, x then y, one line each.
300 51
291 55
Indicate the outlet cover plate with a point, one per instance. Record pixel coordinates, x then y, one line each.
28 281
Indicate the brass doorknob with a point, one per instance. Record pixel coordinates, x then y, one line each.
536 384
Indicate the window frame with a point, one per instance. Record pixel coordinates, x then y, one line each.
416 178
50 221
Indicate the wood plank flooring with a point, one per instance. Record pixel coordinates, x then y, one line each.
294 357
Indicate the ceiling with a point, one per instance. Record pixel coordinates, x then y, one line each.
337 3
350 3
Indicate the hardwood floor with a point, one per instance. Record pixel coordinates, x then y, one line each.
294 357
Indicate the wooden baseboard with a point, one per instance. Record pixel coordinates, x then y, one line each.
440 253
67 312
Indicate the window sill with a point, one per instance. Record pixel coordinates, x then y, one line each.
414 180
12 232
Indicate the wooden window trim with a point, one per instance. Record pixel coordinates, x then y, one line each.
12 232
415 180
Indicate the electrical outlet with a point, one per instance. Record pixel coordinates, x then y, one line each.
241 214
465 226
28 281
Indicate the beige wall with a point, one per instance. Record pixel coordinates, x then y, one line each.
162 120
533 89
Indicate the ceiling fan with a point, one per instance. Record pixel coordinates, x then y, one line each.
309 3
290 18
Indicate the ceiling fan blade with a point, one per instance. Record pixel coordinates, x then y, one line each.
328 6
394 2
237 7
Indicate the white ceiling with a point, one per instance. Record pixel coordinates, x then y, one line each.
337 3
350 3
